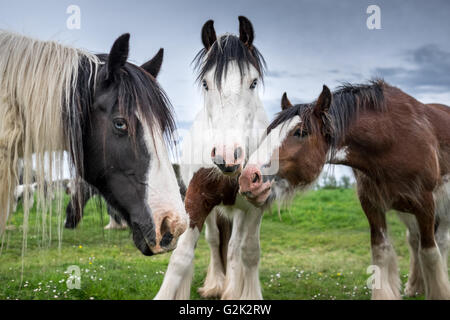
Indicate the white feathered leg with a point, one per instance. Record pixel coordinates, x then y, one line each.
114 225
215 278
415 284
442 236
436 278
234 277
434 260
250 255
242 276
178 278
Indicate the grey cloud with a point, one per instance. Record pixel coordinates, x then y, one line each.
281 74
430 69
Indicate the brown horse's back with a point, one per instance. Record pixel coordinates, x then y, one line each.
439 116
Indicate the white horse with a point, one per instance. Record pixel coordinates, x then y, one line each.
225 132
19 193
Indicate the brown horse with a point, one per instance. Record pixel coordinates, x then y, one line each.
399 150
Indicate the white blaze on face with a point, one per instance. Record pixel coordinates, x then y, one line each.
232 109
267 152
162 190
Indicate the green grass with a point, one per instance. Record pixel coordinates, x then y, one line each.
320 250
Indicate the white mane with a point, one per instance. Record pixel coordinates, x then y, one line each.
37 83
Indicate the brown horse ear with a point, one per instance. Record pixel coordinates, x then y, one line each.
323 102
246 33
208 34
285 103
153 66
118 55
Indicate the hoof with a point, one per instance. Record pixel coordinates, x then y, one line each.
210 293
414 289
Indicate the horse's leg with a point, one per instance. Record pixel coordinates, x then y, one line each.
75 207
199 204
114 225
215 276
250 255
178 277
233 277
443 239
242 278
383 254
434 274
415 283
442 200
115 221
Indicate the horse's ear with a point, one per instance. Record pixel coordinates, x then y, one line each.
154 65
118 55
246 34
285 103
323 102
208 34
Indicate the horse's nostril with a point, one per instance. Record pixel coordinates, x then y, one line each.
164 228
237 153
213 152
256 178
166 239
219 160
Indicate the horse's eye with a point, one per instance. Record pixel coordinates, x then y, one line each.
120 124
300 133
254 83
204 85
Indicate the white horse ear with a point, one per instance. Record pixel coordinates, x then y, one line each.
246 33
118 55
153 66
208 34
285 103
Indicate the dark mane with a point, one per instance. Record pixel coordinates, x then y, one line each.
137 90
75 116
227 48
348 100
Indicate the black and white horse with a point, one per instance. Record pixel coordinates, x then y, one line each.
78 200
110 115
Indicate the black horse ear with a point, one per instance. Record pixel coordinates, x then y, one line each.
118 55
323 102
153 66
208 34
246 34
285 103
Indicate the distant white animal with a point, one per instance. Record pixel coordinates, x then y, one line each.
19 193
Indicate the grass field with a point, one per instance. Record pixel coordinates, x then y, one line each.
320 250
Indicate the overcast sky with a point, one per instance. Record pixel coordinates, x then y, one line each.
305 43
